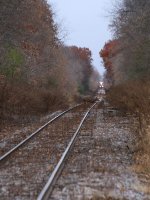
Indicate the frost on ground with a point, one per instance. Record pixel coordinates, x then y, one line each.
102 168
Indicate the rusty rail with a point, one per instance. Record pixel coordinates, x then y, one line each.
48 188
6 155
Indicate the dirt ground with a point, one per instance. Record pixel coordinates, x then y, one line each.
103 167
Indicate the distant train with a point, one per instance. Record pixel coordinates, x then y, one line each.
101 91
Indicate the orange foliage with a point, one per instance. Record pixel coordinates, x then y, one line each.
107 53
82 53
30 48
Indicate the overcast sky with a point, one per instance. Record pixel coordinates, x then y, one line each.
86 24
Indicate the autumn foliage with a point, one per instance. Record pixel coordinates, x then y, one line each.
37 71
108 52
126 59
128 68
83 53
84 56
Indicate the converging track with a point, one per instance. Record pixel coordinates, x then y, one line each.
47 190
25 169
8 153
87 153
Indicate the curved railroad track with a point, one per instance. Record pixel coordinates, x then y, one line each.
48 188
24 141
25 168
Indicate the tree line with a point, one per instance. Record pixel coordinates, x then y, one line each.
127 63
37 70
126 57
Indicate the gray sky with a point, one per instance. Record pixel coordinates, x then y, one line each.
86 24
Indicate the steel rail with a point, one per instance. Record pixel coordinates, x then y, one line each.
48 188
35 133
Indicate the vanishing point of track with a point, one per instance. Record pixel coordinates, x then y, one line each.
7 154
26 155
47 190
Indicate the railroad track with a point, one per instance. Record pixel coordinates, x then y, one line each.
47 190
24 141
25 168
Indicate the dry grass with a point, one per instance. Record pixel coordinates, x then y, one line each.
134 97
27 100
142 157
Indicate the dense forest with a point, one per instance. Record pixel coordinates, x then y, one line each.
37 70
126 58
127 63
